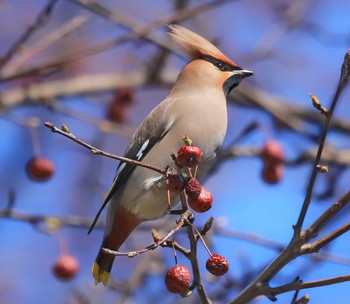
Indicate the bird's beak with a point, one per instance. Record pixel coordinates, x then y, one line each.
244 73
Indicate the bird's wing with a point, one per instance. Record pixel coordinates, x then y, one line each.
150 132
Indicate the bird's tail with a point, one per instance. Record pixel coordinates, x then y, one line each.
102 267
122 224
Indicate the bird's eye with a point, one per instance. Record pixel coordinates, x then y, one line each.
221 66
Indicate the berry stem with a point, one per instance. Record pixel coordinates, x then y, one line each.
174 251
200 236
195 171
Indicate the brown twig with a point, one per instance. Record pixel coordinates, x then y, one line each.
344 77
41 19
139 32
314 228
311 284
197 282
260 286
42 44
292 115
100 152
317 245
69 221
157 243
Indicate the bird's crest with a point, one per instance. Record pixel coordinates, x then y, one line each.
195 45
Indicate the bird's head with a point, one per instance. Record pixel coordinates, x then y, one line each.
208 62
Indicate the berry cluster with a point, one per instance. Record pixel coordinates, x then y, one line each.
199 198
178 279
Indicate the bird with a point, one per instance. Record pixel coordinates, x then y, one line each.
196 106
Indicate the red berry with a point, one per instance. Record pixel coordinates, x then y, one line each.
189 156
203 202
178 279
272 152
193 188
272 174
40 168
217 265
66 267
176 183
119 107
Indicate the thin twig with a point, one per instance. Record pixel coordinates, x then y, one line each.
139 32
100 152
157 243
197 282
315 227
69 221
40 21
43 43
344 77
260 286
317 245
311 284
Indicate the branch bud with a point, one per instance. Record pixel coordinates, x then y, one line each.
155 235
48 124
52 223
65 129
322 169
317 105
208 225
303 300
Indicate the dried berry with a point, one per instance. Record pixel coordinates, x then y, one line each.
203 202
178 279
189 156
272 174
193 188
66 267
272 152
217 265
40 168
176 183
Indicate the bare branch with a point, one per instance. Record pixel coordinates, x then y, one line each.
139 32
313 229
317 245
100 152
40 21
311 284
192 256
344 77
60 221
43 43
184 217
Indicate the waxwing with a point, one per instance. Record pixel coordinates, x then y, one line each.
196 106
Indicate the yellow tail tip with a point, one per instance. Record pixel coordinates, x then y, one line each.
100 275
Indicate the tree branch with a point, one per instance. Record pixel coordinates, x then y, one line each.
317 245
100 152
41 19
311 284
313 229
184 217
344 77
137 33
